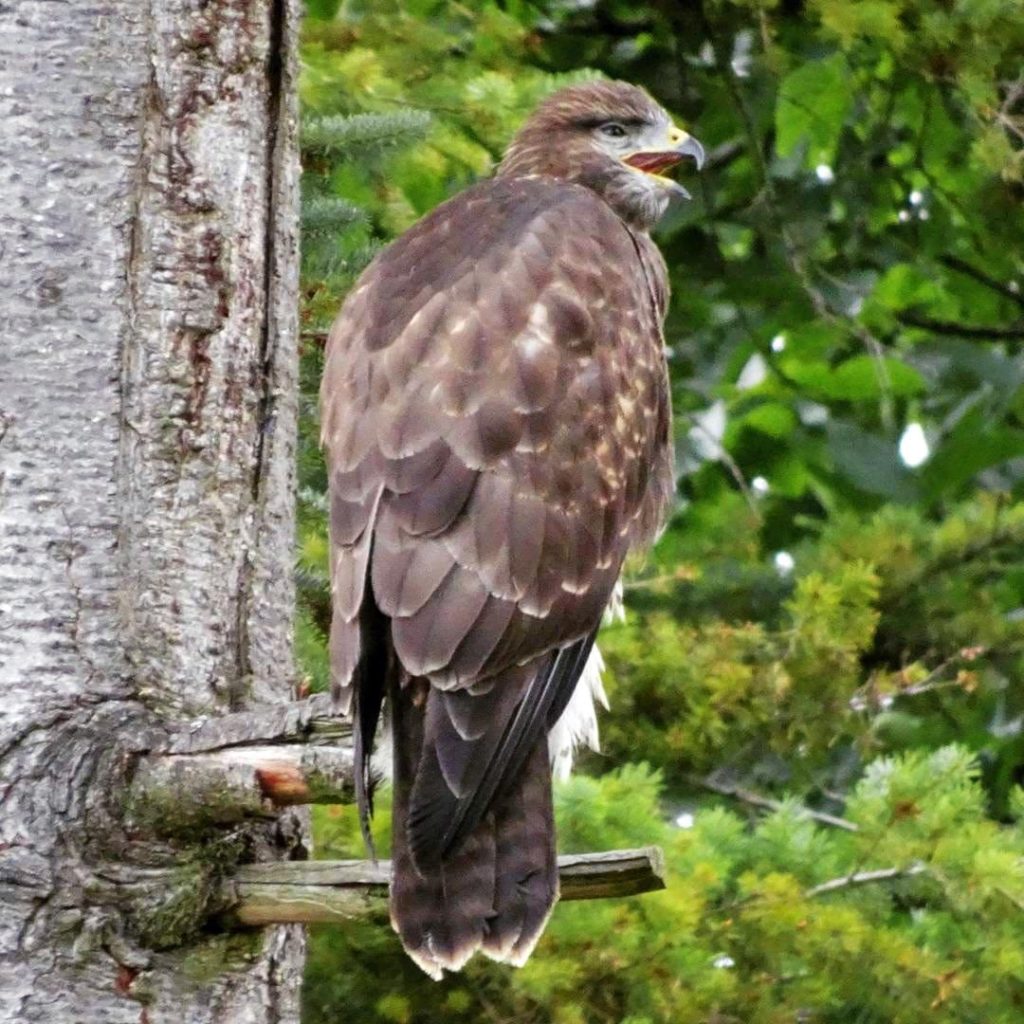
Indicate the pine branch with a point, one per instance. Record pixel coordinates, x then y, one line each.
767 803
1008 538
865 878
329 215
336 266
363 135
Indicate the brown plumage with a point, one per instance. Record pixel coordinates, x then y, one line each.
497 424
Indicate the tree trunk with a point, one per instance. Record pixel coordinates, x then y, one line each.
148 287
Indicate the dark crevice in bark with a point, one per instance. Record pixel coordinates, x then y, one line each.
275 72
274 982
268 340
149 109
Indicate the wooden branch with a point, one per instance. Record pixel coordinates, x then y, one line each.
725 153
767 803
324 892
182 793
306 721
961 265
927 323
865 878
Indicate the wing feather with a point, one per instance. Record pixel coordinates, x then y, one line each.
480 642
435 505
407 574
426 640
494 395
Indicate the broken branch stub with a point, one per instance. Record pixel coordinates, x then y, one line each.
220 771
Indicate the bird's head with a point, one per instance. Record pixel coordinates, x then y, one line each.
611 137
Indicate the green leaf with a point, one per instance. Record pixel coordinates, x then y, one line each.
973 445
905 285
851 20
857 379
812 106
772 418
864 377
870 462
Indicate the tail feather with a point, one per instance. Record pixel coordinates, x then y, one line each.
441 915
526 868
495 891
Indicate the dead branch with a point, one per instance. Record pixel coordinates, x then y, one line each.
182 793
220 771
864 878
305 721
324 892
766 803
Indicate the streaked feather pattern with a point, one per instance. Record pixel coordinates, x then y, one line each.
496 418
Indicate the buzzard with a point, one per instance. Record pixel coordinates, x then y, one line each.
496 419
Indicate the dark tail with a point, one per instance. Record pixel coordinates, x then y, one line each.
493 892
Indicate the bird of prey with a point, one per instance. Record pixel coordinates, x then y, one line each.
496 417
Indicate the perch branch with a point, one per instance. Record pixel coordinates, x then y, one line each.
322 892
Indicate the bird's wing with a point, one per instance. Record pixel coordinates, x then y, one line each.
494 401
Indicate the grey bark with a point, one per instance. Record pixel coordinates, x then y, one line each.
147 405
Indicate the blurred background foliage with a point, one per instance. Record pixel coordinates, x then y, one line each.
817 700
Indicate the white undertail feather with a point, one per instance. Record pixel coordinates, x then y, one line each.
382 766
578 725
428 965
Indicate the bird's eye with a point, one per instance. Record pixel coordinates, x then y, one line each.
613 130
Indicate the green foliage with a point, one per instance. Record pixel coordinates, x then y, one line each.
814 102
340 135
821 663
759 922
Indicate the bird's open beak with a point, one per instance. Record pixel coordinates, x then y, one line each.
654 162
